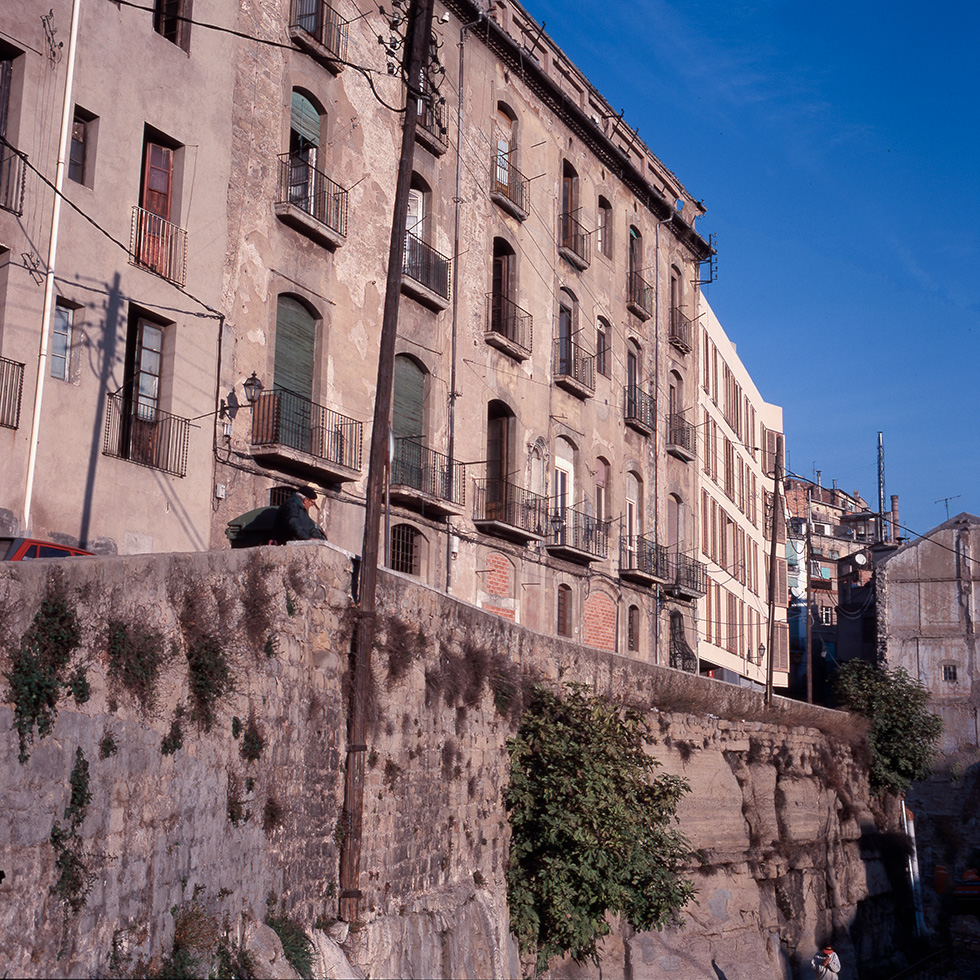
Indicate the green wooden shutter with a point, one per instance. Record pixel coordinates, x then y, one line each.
407 406
305 120
295 332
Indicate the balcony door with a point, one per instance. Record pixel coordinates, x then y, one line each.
142 395
563 489
293 374
632 380
564 337
498 455
156 198
304 144
408 422
501 286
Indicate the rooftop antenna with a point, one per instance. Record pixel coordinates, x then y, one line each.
946 500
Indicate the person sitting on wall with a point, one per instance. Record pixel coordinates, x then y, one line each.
826 964
293 521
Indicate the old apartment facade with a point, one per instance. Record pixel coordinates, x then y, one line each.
215 338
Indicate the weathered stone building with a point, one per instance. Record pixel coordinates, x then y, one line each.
544 451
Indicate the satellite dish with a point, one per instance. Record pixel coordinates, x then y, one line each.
860 560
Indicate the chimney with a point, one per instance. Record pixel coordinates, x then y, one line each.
896 535
818 478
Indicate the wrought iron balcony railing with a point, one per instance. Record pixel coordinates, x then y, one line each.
322 24
283 418
681 436
432 124
688 577
145 435
11 389
572 361
506 505
428 471
312 192
426 266
574 240
639 296
639 408
575 531
681 333
508 185
158 245
508 320
12 176
643 558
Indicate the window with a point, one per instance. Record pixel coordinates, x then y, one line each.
61 331
304 147
603 352
408 422
292 373
826 613
564 610
81 154
676 520
602 490
575 242
405 555
603 233
564 487
634 515
503 317
158 243
635 252
949 673
499 494
567 318
633 629
171 19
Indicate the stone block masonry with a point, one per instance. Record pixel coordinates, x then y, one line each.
779 811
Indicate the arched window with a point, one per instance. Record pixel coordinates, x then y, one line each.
405 554
602 490
634 514
569 208
564 624
632 378
635 252
305 138
564 486
500 492
506 145
502 312
603 349
633 629
676 518
567 318
675 394
417 217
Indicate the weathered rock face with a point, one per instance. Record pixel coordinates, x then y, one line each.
790 849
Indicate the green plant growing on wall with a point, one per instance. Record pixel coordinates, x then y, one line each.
591 827
209 677
107 745
173 741
252 741
136 655
296 945
904 733
74 877
37 668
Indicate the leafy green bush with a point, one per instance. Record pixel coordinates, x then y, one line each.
74 878
209 676
136 654
590 827
296 945
904 733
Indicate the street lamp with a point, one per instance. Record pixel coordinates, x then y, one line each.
253 388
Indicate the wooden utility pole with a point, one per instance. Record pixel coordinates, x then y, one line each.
777 480
419 29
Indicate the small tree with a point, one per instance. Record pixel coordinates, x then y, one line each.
903 734
591 827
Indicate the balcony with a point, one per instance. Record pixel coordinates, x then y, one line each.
681 331
158 245
425 273
639 296
681 438
642 560
143 434
509 511
311 202
574 242
431 130
509 188
639 409
292 434
508 327
573 369
576 536
12 171
11 389
320 31
422 478
686 578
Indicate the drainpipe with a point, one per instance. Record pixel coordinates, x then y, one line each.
450 532
59 180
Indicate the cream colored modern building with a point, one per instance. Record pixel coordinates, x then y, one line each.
547 372
738 447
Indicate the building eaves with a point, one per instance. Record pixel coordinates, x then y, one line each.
510 52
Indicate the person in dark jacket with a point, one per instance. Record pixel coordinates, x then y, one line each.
293 521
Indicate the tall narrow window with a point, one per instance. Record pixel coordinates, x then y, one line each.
142 393
502 319
569 206
408 422
499 494
61 331
172 19
603 355
601 490
564 610
632 376
506 146
293 372
635 252
634 514
603 231
633 629
563 487
82 129
304 147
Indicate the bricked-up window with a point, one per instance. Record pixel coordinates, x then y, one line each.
405 555
564 610
949 673
172 19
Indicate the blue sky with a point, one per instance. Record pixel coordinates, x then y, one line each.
837 150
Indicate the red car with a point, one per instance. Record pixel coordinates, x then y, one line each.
27 549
